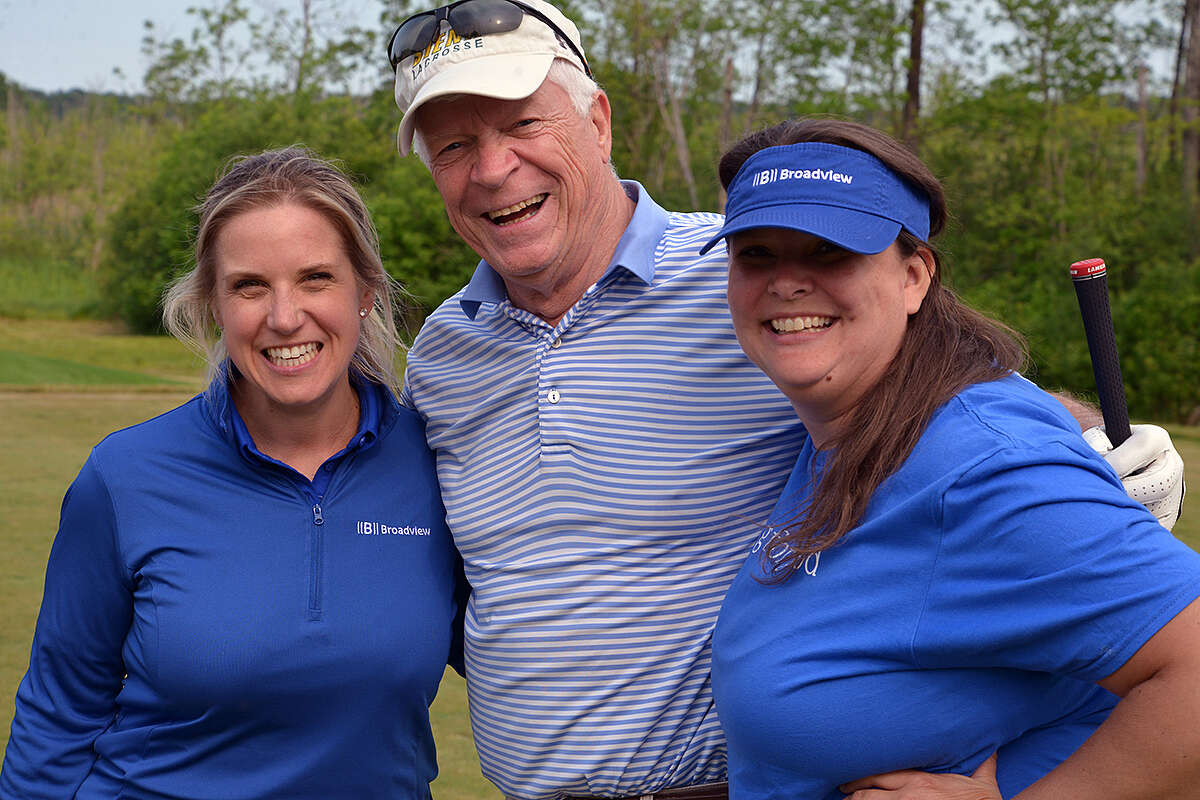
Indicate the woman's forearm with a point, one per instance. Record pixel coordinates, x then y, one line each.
1149 747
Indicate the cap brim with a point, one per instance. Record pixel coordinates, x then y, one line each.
505 76
856 231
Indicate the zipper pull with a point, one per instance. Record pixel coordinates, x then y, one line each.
318 518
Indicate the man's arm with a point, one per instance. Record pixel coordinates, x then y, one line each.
1147 463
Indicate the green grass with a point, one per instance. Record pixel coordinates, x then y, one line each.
458 765
25 369
1187 442
92 354
55 289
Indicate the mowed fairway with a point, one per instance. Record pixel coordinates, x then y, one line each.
49 431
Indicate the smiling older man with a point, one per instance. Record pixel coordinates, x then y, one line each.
604 447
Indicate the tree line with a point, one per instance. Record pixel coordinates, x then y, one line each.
1063 129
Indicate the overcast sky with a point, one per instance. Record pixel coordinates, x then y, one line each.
54 45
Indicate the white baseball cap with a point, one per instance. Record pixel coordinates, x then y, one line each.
506 64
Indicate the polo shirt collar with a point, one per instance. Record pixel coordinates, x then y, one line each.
635 253
370 417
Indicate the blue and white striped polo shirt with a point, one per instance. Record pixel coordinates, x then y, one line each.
603 478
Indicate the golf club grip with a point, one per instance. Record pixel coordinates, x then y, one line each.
1091 289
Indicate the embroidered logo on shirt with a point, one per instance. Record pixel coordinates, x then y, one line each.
782 550
383 529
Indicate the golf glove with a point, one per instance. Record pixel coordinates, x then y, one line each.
1149 467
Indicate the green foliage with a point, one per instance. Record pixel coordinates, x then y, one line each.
1066 49
1037 187
67 159
46 289
419 247
1157 322
230 109
150 235
1039 151
232 52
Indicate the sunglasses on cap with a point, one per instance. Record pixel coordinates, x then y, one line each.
468 18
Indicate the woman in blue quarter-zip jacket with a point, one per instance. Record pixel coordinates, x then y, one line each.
252 595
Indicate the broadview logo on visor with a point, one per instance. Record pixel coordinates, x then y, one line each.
784 174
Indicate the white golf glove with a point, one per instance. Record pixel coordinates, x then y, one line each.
1149 467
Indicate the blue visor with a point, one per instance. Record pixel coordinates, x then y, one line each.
839 194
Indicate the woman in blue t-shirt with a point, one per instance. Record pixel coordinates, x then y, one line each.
952 572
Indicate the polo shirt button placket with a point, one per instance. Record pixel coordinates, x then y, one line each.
553 396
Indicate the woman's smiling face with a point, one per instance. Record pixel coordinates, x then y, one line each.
821 321
287 298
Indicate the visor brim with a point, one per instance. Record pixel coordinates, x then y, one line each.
854 230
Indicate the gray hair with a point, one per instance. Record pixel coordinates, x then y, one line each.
581 91
268 179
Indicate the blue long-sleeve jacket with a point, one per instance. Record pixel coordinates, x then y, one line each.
215 625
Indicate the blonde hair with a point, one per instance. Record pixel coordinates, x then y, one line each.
290 175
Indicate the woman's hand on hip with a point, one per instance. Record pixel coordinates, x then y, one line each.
912 784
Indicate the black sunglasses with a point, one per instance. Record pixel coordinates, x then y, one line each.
468 18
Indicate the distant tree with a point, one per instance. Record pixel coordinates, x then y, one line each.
912 93
663 64
1189 61
212 64
233 52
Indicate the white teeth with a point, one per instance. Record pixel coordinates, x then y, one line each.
793 324
292 356
494 215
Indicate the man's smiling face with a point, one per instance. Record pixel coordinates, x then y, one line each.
519 179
